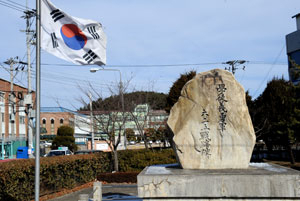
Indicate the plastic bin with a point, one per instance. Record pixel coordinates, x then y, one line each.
22 152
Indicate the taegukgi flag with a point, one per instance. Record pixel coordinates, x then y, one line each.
80 41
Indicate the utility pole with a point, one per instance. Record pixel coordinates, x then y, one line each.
123 111
233 65
92 122
11 63
28 15
93 70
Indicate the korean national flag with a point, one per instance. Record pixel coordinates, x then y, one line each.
80 41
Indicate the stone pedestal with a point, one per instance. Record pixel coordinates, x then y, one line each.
260 182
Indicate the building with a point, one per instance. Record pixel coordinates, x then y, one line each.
293 53
13 118
52 118
141 118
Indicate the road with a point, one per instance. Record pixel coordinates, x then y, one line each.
124 192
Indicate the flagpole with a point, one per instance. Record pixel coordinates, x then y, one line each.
38 87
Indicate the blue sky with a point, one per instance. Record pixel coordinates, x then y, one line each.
169 32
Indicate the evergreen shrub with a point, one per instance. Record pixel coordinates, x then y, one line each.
56 173
137 160
63 172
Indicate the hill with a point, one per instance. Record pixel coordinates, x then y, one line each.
157 101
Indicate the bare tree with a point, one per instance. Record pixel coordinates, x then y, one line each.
110 124
141 122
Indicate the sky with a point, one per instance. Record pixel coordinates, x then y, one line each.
152 42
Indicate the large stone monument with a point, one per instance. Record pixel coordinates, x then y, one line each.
211 123
213 140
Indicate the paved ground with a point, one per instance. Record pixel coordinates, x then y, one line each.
109 192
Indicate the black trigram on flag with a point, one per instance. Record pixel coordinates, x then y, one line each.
56 15
54 40
90 56
93 32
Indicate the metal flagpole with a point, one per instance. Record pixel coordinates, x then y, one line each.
38 86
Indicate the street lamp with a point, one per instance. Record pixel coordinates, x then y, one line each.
93 70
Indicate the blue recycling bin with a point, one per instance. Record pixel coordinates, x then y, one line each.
22 152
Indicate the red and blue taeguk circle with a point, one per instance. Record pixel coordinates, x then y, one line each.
73 37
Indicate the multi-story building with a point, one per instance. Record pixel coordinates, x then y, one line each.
141 118
52 118
13 118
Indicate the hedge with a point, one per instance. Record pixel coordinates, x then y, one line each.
56 173
137 160
17 177
118 177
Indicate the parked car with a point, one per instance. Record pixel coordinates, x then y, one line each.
132 142
45 143
58 152
87 152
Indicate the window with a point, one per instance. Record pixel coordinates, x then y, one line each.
61 121
52 126
21 103
71 123
2 117
44 123
1 97
22 119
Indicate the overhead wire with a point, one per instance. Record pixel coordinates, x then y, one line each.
56 76
3 4
138 65
270 69
70 79
17 4
160 65
13 6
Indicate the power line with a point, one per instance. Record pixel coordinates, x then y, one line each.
3 4
164 65
12 6
17 4
271 68
139 65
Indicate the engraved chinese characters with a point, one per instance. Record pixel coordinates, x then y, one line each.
211 123
202 143
223 111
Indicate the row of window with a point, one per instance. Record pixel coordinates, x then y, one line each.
61 121
21 118
52 121
2 100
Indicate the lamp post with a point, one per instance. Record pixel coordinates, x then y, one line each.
93 70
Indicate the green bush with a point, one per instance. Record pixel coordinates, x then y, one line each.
64 138
137 160
65 131
56 173
17 177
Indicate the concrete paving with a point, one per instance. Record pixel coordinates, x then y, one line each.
109 192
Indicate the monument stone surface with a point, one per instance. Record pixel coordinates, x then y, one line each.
211 123
260 182
213 140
